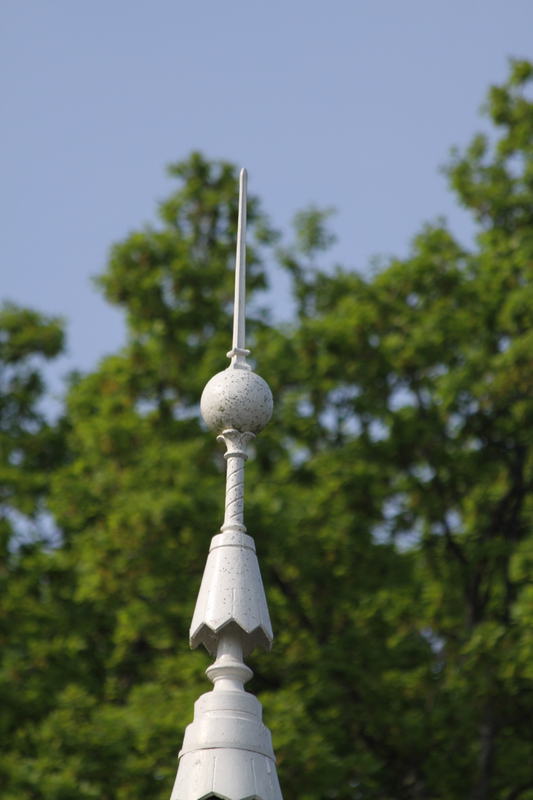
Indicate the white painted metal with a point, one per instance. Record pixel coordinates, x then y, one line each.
237 398
235 456
231 592
227 751
239 352
231 774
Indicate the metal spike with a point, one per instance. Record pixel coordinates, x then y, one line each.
239 352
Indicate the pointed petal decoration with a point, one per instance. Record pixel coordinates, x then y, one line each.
232 591
228 774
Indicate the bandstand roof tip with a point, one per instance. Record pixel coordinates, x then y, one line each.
227 751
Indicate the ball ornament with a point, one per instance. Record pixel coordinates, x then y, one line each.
239 399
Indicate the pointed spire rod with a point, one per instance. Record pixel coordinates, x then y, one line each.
240 268
239 352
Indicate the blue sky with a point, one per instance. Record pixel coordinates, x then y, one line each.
346 104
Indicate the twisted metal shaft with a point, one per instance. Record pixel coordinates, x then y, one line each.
234 511
235 456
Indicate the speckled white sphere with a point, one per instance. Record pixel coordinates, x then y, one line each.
237 398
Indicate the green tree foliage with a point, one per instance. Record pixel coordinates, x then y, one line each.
390 498
30 449
27 443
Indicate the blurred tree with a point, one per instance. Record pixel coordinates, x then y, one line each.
390 499
28 445
30 450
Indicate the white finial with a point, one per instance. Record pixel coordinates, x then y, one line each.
227 751
239 352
